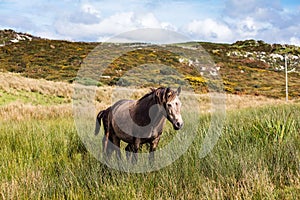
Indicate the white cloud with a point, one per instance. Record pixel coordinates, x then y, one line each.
210 30
254 8
50 35
86 14
112 25
88 8
150 35
249 28
91 20
271 21
295 41
148 20
117 23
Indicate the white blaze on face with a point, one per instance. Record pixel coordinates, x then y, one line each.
173 111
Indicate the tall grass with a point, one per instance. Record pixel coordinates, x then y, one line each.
256 157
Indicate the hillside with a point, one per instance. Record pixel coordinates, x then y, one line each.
247 67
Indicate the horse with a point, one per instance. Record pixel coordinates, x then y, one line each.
141 121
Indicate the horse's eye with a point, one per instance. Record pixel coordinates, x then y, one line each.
169 105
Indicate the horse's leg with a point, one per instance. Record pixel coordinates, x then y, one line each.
136 146
107 139
129 150
116 141
153 145
109 146
105 143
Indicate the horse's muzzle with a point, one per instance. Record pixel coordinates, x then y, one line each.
178 125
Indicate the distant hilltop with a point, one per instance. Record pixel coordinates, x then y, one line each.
9 36
246 67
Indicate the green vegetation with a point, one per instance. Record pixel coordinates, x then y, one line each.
33 98
17 89
254 67
52 60
257 157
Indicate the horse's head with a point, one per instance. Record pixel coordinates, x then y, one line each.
172 105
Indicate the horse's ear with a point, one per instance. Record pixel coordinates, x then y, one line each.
158 95
169 93
178 91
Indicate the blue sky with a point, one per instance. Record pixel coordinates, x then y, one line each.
204 20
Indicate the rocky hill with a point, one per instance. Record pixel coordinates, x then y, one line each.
247 67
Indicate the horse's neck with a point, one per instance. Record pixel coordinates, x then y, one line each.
146 109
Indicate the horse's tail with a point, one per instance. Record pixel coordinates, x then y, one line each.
98 121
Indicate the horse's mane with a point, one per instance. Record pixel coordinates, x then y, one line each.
161 94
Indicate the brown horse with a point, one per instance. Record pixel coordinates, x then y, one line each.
139 122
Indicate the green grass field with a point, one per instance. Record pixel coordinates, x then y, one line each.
42 156
256 157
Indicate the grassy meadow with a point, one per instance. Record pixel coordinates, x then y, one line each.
42 157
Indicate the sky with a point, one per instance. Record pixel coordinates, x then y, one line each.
222 21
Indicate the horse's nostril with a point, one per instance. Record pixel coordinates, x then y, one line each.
178 124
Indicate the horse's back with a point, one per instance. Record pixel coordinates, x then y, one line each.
121 105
